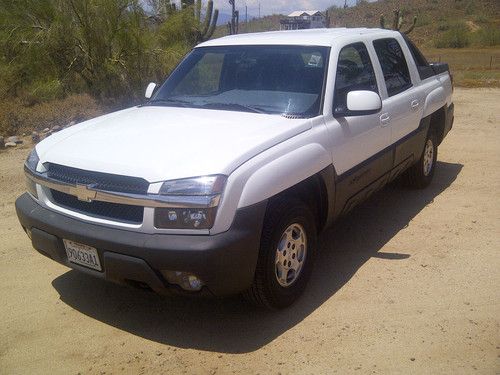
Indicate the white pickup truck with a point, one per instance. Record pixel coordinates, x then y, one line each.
220 183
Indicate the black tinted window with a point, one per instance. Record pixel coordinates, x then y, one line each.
354 72
394 66
267 79
423 67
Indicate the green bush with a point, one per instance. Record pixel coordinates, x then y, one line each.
43 91
488 36
443 26
457 36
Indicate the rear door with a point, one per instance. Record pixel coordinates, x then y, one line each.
402 99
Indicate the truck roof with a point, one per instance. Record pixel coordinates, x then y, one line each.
308 37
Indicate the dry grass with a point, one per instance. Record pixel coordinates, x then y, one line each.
470 66
16 117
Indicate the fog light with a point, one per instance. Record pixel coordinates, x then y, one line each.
185 280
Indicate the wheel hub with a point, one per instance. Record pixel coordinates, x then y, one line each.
290 254
428 157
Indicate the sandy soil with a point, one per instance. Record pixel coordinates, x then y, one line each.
407 283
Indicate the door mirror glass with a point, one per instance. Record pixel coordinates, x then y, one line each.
149 90
363 102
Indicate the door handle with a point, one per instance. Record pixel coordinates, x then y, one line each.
385 119
414 104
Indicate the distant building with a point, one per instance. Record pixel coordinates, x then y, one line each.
303 19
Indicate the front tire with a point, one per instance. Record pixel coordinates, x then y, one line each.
420 175
286 255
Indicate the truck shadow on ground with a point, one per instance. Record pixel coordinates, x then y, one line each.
231 325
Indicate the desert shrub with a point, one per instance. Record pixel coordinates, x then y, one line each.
42 91
423 20
470 8
488 36
457 36
481 18
16 117
443 26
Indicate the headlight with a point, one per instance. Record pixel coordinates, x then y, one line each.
31 164
196 202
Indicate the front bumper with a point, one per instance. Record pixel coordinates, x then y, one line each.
225 262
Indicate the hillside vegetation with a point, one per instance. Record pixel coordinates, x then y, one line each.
463 33
440 23
92 56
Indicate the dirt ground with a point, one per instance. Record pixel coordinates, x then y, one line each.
408 283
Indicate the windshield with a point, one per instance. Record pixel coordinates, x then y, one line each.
262 79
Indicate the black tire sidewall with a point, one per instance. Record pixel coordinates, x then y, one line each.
427 179
296 212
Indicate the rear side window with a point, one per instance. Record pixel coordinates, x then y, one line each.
354 72
394 66
423 67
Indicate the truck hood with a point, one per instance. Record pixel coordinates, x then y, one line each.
163 143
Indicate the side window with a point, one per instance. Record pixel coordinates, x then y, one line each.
423 67
354 72
394 66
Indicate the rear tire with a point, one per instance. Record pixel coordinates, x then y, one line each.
286 255
420 175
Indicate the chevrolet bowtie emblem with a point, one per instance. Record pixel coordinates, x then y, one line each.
83 193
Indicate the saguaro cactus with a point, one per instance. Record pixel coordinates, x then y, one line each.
203 29
233 26
208 25
397 22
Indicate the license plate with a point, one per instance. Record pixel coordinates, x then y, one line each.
82 254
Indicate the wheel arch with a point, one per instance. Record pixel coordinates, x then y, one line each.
306 172
438 122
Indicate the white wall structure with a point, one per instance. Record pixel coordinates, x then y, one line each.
303 19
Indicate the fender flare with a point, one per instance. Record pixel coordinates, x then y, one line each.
434 101
284 172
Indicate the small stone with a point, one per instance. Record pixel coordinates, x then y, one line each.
412 359
72 123
55 128
158 353
35 137
46 130
11 144
14 139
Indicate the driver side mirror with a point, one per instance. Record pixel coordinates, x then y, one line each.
149 90
363 102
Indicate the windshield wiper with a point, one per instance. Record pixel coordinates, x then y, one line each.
247 108
182 103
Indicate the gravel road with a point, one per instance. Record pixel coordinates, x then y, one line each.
409 282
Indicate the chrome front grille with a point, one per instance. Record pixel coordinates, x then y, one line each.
112 211
131 214
101 181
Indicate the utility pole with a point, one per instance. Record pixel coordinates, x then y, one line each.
246 14
259 10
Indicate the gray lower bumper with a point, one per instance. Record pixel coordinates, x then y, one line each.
224 262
